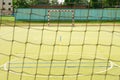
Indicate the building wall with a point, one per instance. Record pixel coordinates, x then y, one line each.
0 4
6 6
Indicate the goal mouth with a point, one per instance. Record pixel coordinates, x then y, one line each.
61 16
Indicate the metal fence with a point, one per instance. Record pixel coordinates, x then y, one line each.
79 14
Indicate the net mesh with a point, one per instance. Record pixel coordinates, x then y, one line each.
60 44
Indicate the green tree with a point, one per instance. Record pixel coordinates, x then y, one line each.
71 2
20 4
28 3
97 3
110 3
113 3
54 2
94 3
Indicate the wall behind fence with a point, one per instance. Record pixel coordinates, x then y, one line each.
80 14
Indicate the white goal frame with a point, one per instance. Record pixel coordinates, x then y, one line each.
72 11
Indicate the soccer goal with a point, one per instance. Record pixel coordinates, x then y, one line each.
60 44
60 15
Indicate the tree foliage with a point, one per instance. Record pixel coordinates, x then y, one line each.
28 3
21 3
93 3
24 3
71 2
112 3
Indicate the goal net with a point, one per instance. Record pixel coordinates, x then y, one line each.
60 44
60 16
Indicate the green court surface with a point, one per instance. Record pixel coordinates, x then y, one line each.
82 52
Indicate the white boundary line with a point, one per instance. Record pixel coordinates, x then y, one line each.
5 33
111 66
116 65
4 66
1 66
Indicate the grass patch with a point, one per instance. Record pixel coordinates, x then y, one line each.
10 20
